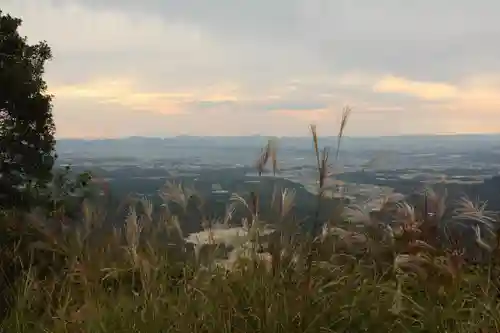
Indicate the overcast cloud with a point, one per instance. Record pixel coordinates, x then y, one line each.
235 67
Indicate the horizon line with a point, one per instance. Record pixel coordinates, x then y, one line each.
275 136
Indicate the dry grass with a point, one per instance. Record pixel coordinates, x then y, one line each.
403 269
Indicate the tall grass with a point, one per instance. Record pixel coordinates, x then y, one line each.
404 268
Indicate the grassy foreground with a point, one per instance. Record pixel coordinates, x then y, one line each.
430 267
146 279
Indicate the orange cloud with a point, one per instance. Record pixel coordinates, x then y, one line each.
471 96
467 106
470 125
478 99
128 93
424 90
305 115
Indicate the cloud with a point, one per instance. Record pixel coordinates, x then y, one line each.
128 94
425 39
311 115
480 94
268 66
424 90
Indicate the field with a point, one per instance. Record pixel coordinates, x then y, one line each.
423 264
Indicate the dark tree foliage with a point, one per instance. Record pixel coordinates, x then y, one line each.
26 124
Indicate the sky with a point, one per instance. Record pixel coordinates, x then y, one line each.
269 67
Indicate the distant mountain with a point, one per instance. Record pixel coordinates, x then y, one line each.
434 143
